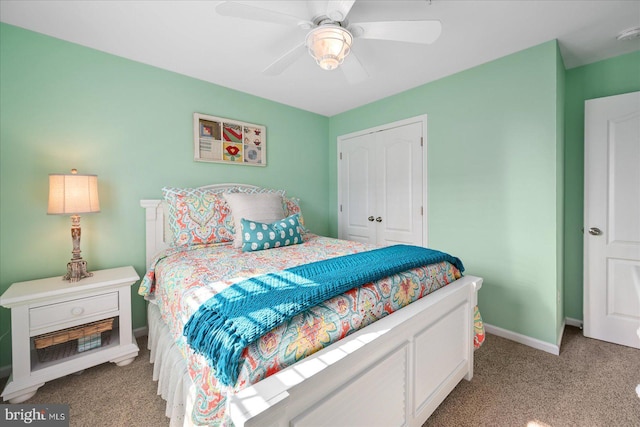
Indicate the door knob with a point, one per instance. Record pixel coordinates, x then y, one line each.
379 219
370 218
595 231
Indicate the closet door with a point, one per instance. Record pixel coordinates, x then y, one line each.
399 179
358 182
381 186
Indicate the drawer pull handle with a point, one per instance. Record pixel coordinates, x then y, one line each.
77 311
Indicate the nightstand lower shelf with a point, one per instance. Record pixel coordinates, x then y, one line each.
113 342
19 390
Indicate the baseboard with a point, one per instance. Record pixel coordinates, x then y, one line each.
573 322
560 333
523 339
141 332
5 371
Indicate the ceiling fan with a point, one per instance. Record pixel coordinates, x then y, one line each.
331 35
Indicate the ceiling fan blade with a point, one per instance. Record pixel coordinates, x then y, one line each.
353 69
425 32
337 10
280 64
253 13
317 7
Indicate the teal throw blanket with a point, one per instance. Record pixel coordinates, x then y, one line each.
240 314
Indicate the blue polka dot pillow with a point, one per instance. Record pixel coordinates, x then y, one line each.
258 236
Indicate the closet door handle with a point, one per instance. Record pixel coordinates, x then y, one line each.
595 231
379 219
370 218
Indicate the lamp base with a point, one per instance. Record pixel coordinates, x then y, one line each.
76 270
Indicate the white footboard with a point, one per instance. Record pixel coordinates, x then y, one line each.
394 372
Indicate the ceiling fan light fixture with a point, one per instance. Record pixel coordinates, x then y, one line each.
329 44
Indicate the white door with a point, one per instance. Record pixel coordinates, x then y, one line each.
612 219
357 185
381 186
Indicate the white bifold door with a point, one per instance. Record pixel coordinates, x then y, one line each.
380 186
612 219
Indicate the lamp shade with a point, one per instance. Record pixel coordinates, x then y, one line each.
73 194
329 44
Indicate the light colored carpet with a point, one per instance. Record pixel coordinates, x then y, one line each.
591 383
108 395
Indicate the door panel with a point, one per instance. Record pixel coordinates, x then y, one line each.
619 305
624 180
612 205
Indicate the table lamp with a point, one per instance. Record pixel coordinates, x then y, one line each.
74 194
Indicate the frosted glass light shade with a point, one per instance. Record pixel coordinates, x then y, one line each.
329 45
73 194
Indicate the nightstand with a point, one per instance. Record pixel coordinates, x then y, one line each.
58 310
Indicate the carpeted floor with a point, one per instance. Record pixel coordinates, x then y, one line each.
108 395
591 383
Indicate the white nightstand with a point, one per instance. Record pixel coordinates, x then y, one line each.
49 305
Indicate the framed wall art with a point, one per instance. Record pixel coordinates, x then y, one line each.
221 140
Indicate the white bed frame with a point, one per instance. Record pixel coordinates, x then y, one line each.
394 372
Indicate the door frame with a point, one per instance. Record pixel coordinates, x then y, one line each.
422 119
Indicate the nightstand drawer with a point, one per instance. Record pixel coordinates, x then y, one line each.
72 311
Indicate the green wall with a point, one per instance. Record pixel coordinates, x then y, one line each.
605 78
494 179
65 106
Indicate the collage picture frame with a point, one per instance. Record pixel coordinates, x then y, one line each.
221 140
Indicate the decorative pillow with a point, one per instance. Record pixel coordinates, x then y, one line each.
257 236
263 207
198 217
292 206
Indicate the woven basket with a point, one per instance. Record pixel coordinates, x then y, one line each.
64 335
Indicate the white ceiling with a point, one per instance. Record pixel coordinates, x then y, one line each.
189 38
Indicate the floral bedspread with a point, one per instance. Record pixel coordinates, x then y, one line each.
179 281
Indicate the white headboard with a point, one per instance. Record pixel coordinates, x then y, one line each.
156 235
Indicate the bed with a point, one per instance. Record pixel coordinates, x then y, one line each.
386 353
